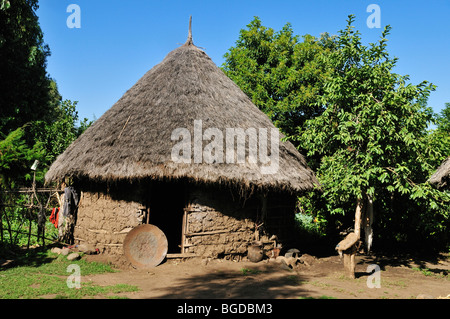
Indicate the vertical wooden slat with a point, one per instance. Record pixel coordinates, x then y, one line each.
183 231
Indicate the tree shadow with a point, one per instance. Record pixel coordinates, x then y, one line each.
12 257
407 260
266 282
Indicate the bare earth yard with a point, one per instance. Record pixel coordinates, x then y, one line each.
401 278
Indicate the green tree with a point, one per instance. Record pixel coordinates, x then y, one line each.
283 76
26 92
32 114
443 120
57 135
372 139
16 159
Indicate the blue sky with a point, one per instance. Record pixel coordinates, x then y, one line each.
119 41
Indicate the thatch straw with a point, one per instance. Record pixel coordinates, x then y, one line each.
441 178
132 140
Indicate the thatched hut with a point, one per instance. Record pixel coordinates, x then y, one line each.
177 151
441 178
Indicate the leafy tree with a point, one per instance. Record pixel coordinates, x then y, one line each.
372 141
26 92
57 135
33 118
443 120
439 138
283 76
16 158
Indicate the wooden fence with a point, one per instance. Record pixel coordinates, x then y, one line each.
28 205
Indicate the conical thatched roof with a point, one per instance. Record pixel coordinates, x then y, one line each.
441 178
132 140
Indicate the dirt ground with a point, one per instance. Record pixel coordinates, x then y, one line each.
401 278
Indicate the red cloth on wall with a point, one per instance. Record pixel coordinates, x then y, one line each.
54 217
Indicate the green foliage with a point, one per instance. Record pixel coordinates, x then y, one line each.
16 158
35 124
44 275
4 4
48 140
283 76
373 141
27 93
57 135
439 138
443 120
364 128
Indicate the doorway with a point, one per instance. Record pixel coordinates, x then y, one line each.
167 201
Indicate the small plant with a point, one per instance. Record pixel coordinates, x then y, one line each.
321 297
246 271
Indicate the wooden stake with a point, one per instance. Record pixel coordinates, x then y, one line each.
349 251
183 231
189 39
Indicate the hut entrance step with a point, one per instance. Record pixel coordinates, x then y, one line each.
185 255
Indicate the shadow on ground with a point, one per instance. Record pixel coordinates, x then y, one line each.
260 282
16 257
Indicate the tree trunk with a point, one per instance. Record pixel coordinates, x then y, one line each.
359 206
367 223
349 261
349 254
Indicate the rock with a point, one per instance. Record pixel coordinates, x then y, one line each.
56 250
291 262
292 253
73 256
280 259
65 251
283 263
308 260
87 249
424 296
205 261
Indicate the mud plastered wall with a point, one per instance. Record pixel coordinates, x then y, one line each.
104 222
219 224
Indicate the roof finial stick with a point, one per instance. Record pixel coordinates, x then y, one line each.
189 40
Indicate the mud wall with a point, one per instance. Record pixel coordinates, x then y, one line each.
104 221
216 223
221 224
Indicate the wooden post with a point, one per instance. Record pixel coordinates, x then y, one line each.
29 228
189 40
349 246
183 231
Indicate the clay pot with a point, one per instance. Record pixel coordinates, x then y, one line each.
255 252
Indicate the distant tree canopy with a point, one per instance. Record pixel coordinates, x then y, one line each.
28 93
443 120
35 124
282 75
362 126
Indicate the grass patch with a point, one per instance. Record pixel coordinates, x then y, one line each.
432 273
246 271
321 297
44 275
